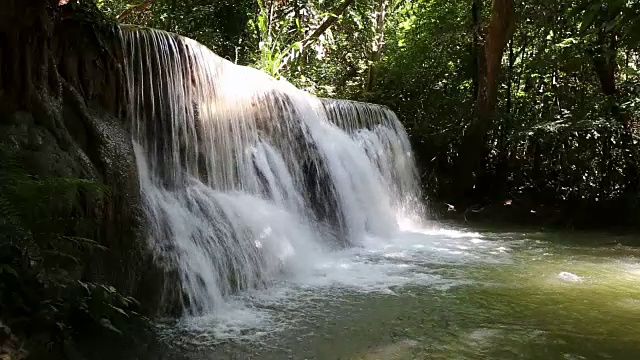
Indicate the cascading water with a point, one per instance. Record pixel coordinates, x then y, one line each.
377 130
244 177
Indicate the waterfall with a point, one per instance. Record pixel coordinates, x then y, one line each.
244 177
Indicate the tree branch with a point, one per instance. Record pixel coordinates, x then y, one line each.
291 55
140 7
328 22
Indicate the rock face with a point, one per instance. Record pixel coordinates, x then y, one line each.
62 108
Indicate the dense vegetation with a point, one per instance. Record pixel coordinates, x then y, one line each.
530 104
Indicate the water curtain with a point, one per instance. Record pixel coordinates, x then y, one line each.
244 177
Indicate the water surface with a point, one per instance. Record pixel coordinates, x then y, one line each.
439 293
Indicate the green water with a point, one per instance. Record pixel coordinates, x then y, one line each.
510 303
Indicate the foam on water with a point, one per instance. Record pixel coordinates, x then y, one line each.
379 266
265 198
245 178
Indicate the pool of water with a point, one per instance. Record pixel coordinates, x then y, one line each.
438 293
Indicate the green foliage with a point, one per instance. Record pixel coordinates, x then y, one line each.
557 139
42 290
279 38
272 35
565 128
336 64
220 25
615 16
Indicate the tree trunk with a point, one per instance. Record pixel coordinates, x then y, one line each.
476 49
473 148
378 44
604 61
499 32
510 77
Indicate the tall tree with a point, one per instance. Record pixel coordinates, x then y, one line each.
498 34
378 43
490 43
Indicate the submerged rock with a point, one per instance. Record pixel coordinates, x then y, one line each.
396 350
567 276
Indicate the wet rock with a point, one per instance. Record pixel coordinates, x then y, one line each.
61 109
567 276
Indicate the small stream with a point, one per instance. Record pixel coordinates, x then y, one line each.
438 293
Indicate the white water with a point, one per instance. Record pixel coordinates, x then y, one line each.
250 183
420 257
